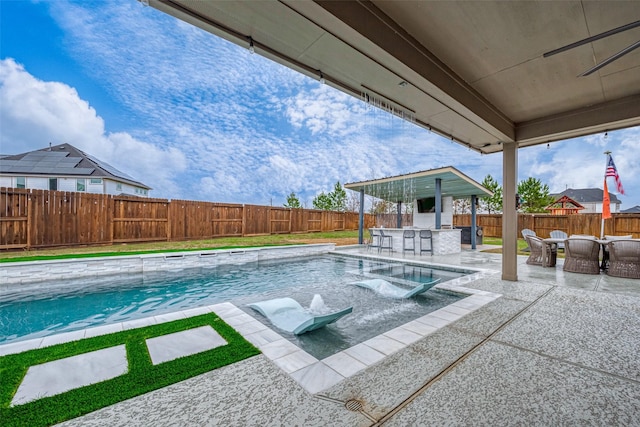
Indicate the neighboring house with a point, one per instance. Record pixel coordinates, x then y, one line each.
590 199
635 209
65 168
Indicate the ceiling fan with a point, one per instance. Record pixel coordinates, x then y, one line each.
598 37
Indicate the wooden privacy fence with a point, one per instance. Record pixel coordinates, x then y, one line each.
41 218
620 224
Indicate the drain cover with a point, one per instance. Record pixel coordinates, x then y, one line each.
353 405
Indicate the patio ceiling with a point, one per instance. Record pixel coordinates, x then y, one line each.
472 71
419 185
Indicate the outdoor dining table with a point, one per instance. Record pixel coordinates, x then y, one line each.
551 241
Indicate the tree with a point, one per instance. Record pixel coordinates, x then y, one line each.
333 201
338 198
491 204
292 201
322 201
534 196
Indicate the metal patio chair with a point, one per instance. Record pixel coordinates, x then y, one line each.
409 236
374 240
559 234
426 236
385 238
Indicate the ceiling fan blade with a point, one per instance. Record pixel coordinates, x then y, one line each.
612 58
593 38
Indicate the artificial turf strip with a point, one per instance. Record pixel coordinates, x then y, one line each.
141 378
110 254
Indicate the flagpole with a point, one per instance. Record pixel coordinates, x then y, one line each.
606 153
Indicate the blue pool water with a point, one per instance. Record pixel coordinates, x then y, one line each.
55 307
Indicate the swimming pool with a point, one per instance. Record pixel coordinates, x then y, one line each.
62 306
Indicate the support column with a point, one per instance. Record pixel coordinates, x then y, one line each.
509 211
438 203
399 215
473 221
361 219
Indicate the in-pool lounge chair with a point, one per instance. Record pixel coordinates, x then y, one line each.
386 289
288 315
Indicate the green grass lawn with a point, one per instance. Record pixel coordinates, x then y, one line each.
339 237
141 378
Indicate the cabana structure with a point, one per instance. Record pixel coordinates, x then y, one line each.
493 76
565 205
432 192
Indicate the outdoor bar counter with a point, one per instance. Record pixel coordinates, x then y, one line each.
444 241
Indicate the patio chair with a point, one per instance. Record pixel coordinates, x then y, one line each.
536 245
581 256
409 236
624 258
527 232
559 234
605 248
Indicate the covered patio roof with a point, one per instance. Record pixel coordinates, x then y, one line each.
482 73
419 185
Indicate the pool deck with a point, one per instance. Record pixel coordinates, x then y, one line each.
555 349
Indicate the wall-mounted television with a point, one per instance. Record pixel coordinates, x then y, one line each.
427 205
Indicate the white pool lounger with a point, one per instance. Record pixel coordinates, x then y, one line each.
389 290
287 314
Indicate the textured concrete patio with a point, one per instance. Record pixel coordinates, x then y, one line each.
555 349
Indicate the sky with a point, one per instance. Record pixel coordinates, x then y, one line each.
198 118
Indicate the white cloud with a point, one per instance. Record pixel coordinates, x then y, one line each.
34 113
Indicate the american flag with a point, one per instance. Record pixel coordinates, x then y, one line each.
612 171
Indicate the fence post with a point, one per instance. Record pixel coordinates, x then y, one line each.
29 221
244 218
168 220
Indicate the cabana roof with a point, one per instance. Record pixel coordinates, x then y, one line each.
419 185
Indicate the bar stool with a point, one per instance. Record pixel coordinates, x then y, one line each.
385 238
408 235
426 236
374 240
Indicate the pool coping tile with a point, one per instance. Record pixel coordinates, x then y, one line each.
344 364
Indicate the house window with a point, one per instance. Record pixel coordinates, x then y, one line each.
21 182
118 187
53 184
80 184
95 181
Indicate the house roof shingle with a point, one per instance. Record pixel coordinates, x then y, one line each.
586 195
63 160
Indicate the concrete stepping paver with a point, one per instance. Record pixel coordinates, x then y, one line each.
62 375
179 344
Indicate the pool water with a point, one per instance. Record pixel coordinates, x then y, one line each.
64 306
